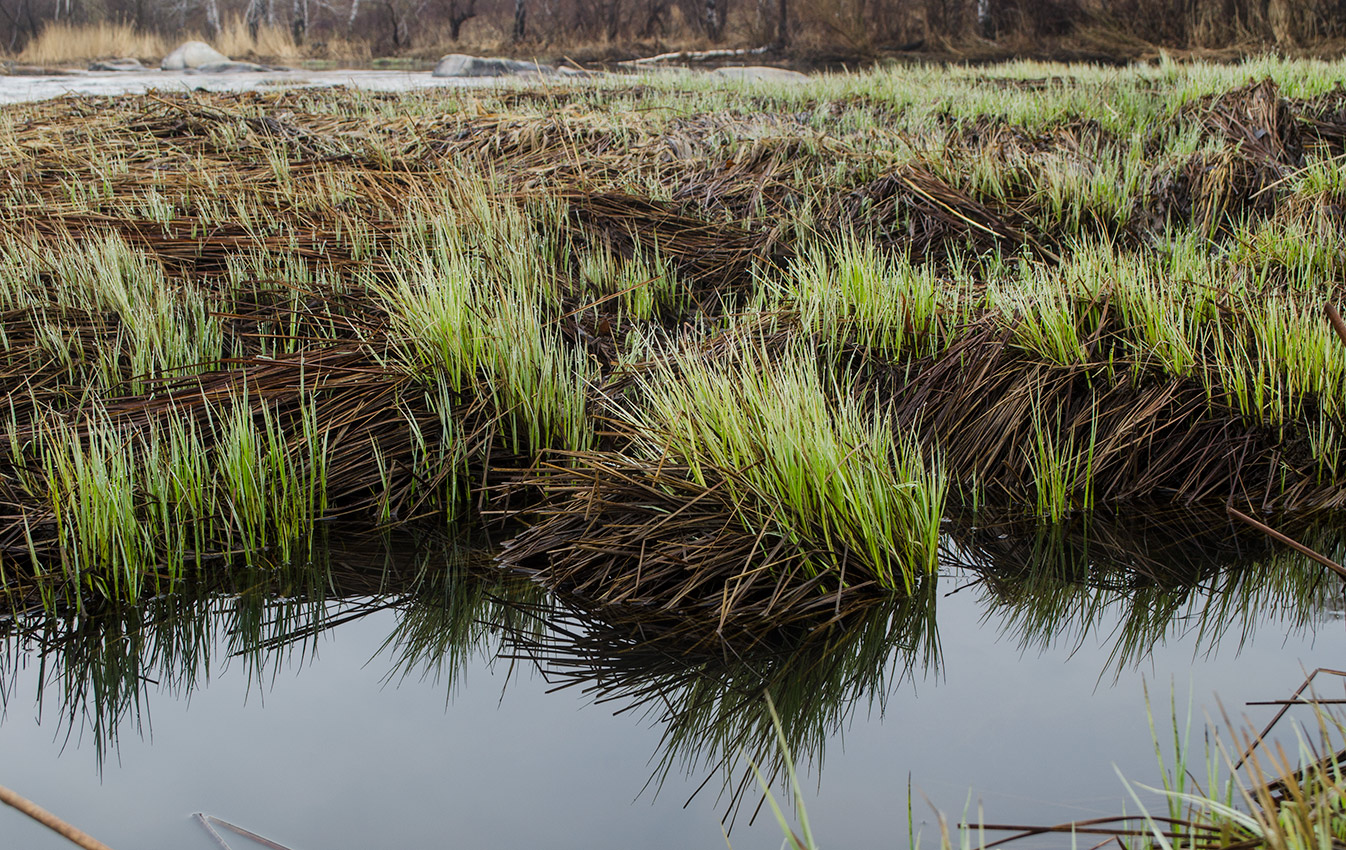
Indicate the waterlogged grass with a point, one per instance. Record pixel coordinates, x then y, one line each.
227 319
131 506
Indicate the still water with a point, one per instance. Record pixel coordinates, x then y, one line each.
20 89
387 699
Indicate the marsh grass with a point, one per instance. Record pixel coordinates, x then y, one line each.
1063 472
481 321
852 294
813 315
823 472
132 505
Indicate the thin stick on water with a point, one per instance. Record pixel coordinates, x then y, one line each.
1289 541
208 820
50 821
205 824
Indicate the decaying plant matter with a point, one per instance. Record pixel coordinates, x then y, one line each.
702 351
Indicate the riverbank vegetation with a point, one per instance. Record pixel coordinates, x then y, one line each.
688 346
1248 793
808 34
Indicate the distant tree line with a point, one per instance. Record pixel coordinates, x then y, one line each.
392 26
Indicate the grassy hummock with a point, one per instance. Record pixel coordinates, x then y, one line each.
687 345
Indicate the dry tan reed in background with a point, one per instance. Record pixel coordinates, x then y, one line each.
272 42
61 42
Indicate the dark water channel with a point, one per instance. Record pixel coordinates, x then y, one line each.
393 697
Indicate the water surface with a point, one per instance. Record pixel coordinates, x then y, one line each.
326 714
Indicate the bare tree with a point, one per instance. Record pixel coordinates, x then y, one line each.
22 23
402 14
254 18
520 21
656 19
299 20
460 11
714 20
212 9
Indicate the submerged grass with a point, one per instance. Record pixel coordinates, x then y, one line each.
797 322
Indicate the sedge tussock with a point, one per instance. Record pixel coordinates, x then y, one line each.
819 472
830 312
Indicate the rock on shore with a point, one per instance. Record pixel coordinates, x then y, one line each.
192 54
462 65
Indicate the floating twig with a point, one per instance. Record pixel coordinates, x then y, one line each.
207 821
1289 541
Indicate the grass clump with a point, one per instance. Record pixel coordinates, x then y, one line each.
850 293
483 326
131 505
825 474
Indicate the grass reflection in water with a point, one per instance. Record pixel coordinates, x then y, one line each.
702 682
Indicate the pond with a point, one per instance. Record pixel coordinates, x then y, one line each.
731 387
403 693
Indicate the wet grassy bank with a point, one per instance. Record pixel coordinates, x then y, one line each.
691 348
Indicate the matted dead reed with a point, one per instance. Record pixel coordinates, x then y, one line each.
229 318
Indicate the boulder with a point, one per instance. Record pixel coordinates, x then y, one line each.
228 67
760 74
192 54
462 65
120 65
